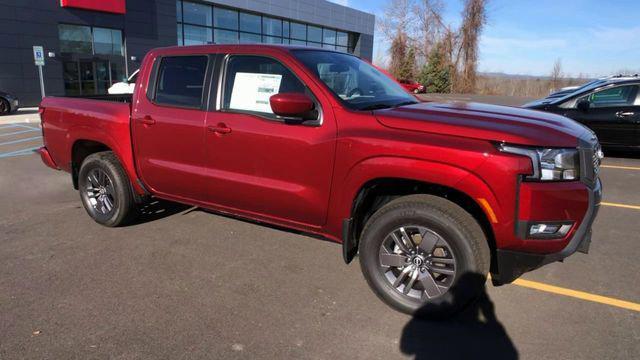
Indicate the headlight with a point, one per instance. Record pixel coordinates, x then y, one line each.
549 164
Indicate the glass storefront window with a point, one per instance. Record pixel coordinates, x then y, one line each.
197 14
328 36
225 36
298 31
271 40
75 39
225 18
221 25
314 34
247 38
343 38
271 26
107 41
197 35
250 22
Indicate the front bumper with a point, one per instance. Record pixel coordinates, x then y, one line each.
511 264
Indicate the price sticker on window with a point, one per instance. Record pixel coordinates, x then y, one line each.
251 91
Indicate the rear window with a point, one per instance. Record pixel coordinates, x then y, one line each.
181 81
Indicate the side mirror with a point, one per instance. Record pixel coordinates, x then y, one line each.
583 105
291 106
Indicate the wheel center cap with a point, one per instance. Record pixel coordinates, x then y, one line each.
418 261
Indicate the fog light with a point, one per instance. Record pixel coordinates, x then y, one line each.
549 230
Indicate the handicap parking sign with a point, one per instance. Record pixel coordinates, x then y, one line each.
38 55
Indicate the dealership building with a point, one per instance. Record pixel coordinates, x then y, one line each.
91 44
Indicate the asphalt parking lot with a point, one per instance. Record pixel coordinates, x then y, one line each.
185 283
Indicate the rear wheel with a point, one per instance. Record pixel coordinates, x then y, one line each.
415 250
105 190
5 107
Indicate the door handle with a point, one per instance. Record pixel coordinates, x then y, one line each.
147 120
624 114
221 128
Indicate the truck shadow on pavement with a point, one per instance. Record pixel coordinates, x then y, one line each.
475 333
158 209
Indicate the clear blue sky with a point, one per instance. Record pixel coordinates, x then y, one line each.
593 37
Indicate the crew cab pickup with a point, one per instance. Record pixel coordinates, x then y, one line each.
432 197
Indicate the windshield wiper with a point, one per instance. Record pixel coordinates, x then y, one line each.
376 107
406 103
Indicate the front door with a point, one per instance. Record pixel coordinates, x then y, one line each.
613 115
258 164
168 129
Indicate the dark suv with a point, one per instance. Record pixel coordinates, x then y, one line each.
611 108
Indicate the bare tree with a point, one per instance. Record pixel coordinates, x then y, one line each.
429 26
474 19
396 25
555 79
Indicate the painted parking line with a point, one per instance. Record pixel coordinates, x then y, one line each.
625 206
578 294
21 140
620 167
21 152
19 132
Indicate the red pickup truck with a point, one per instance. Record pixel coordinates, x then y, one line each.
426 194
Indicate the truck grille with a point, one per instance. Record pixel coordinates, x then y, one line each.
597 159
590 159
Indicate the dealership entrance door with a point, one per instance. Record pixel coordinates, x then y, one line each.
91 76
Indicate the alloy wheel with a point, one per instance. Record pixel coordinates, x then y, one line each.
100 191
417 262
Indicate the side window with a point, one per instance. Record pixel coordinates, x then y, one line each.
181 81
615 96
251 80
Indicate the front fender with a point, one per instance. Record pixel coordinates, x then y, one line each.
431 172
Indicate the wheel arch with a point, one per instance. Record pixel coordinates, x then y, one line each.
80 149
384 179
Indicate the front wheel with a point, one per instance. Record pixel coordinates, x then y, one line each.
424 255
105 190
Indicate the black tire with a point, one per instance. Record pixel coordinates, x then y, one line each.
5 107
104 167
466 243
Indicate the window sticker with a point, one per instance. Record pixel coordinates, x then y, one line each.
251 91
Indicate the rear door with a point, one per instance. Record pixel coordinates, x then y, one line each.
258 164
613 115
168 127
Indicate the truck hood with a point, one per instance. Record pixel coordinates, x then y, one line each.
486 122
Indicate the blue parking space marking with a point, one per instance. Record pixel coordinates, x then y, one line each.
20 140
28 127
19 152
19 132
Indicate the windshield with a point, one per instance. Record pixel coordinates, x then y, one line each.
588 86
357 83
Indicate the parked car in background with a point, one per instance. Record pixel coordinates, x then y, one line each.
431 196
8 103
555 94
413 86
611 108
124 87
